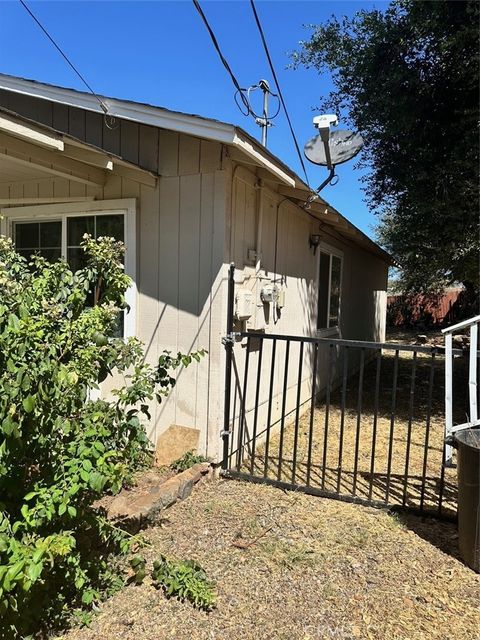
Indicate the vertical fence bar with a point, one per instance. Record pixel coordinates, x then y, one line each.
269 410
342 416
472 373
409 428
359 420
284 402
392 424
297 413
312 411
448 392
228 342
442 480
327 411
375 422
255 413
243 410
427 430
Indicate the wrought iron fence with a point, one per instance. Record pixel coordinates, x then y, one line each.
358 421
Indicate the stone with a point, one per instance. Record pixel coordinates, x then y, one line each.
170 491
132 511
186 489
421 339
174 443
120 507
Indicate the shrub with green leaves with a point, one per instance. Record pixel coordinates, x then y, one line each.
61 449
187 461
184 579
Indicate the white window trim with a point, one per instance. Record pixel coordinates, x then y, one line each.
323 247
126 206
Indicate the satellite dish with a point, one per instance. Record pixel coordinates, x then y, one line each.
344 145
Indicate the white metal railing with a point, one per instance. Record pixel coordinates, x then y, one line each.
473 420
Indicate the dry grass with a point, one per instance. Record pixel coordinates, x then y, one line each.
341 452
324 569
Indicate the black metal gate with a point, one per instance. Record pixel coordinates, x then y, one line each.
357 421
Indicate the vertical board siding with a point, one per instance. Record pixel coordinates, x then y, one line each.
167 267
76 127
168 153
94 128
180 248
188 155
188 268
129 141
292 265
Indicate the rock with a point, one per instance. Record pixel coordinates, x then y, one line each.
120 507
132 509
174 443
422 339
186 489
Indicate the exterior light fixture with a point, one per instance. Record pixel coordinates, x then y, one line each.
314 241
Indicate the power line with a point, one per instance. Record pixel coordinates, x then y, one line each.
222 58
272 69
64 55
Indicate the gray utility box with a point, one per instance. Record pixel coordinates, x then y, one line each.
467 442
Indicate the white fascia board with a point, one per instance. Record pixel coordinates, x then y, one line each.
243 143
18 129
145 114
154 116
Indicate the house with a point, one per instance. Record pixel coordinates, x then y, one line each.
188 195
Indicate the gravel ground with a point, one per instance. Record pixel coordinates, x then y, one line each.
321 569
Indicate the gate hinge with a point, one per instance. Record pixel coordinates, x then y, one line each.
224 433
229 339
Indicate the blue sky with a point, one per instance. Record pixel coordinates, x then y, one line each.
160 53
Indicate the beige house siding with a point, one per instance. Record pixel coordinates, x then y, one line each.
180 247
203 214
294 267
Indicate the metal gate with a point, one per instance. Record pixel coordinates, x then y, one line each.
357 421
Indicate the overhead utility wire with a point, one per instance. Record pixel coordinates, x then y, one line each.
64 55
221 56
272 68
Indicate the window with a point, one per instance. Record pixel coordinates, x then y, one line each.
329 289
56 231
44 238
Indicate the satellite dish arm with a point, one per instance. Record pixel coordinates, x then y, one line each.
325 136
328 179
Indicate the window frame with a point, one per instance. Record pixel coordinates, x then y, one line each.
62 211
338 253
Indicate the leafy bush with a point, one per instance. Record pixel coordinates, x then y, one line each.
187 461
184 579
60 449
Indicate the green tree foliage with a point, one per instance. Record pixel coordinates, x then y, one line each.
60 449
407 79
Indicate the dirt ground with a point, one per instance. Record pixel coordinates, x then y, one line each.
322 569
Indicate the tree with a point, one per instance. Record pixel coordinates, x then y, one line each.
407 79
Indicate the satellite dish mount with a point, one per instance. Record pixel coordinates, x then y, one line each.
323 123
329 148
